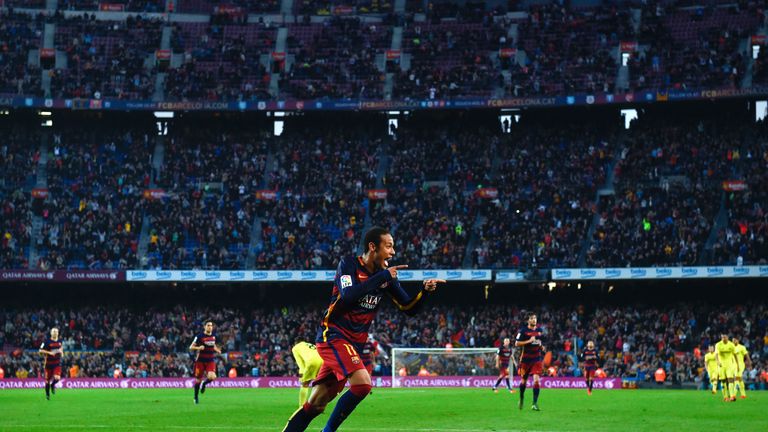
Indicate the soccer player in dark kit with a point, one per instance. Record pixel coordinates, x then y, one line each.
589 361
52 350
205 362
503 358
359 285
531 358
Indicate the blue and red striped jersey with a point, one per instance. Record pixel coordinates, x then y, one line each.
589 357
207 354
530 353
505 354
355 299
52 360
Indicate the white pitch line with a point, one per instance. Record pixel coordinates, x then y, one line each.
95 426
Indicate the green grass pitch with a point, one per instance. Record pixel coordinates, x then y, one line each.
386 410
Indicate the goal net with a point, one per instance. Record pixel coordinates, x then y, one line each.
443 362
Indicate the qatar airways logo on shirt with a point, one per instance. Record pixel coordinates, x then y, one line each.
369 301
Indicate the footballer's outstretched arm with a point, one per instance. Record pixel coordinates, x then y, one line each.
350 290
407 302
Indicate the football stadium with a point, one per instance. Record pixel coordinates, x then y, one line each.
383 215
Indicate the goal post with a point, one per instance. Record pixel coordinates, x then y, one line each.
412 362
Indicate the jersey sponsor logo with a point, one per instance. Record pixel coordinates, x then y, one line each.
369 301
346 281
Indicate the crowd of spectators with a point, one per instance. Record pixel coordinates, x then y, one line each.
430 206
547 182
323 177
18 35
336 59
453 50
701 47
208 183
92 216
668 191
19 157
105 59
570 51
744 241
220 62
452 59
343 7
632 341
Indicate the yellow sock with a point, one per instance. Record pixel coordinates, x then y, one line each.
714 386
743 388
303 395
732 389
724 386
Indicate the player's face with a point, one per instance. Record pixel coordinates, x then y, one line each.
711 348
590 345
208 327
532 321
54 333
735 341
506 342
384 251
724 338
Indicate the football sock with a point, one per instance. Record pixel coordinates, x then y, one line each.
498 381
509 385
47 389
197 389
535 393
732 389
742 388
302 418
347 403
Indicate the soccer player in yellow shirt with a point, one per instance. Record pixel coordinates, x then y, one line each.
309 362
726 366
742 360
710 361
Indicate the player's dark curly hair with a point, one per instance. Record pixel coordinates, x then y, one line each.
374 235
